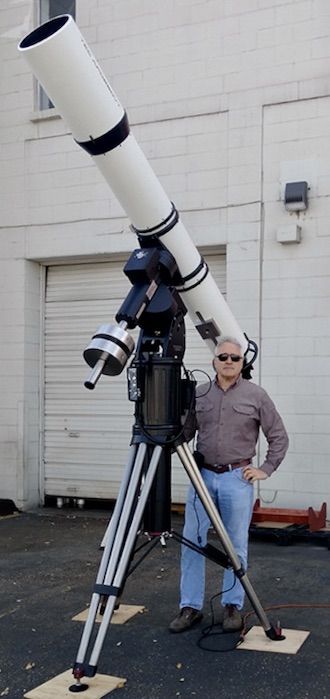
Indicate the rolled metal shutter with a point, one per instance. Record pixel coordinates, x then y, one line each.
87 433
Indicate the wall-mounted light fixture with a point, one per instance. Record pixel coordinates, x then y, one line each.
295 196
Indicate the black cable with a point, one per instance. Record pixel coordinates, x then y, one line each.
194 371
208 631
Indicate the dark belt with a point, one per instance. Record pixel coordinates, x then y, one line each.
223 468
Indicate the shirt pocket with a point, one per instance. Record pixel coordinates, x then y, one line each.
245 420
245 411
204 414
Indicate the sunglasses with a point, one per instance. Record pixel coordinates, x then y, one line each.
234 357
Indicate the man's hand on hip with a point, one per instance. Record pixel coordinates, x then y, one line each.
252 474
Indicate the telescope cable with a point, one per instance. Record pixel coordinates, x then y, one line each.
208 633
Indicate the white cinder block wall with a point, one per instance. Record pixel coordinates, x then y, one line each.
229 101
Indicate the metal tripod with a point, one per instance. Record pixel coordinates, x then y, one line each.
120 540
161 398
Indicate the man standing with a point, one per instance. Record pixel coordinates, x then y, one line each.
228 417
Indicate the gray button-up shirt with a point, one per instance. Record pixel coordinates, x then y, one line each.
228 424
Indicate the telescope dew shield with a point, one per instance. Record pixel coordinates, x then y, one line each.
67 70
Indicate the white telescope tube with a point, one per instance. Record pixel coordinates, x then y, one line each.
67 70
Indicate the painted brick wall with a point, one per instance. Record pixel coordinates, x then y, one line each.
229 100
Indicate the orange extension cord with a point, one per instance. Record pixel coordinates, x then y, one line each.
279 606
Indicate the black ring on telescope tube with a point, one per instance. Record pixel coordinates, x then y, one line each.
109 140
192 275
198 269
164 227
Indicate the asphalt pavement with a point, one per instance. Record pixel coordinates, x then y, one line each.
49 563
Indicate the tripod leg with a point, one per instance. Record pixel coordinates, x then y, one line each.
113 524
125 499
116 557
196 479
114 521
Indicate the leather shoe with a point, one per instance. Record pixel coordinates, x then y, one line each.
232 620
186 619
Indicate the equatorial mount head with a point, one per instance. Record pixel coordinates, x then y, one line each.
152 303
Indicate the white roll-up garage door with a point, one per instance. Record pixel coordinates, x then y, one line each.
87 433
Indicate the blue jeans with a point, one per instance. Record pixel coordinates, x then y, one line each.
233 497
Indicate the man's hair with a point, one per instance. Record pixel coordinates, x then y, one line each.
232 340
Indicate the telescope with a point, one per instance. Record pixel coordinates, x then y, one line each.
64 65
169 278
